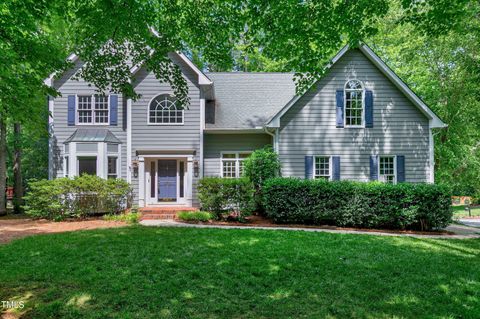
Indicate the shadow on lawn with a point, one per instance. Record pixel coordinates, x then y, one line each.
145 272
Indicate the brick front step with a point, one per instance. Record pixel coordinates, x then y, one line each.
165 212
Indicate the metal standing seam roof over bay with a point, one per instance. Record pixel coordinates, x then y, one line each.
249 100
93 135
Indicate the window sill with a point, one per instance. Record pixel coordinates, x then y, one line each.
165 124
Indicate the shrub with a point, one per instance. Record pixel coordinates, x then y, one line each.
195 216
76 198
261 165
129 218
355 204
226 195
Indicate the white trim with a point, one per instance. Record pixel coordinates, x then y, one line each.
149 200
141 182
375 59
163 124
49 81
274 138
431 154
330 171
202 78
129 140
51 127
72 158
237 161
101 160
345 104
256 130
202 128
394 167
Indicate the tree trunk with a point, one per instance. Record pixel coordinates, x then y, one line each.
3 166
17 170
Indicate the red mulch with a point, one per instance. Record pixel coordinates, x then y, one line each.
14 227
262 221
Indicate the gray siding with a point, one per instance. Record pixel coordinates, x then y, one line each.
217 143
308 128
68 86
147 137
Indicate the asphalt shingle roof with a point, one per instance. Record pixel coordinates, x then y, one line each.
248 100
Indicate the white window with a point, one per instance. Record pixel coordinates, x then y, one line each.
354 104
322 167
387 169
163 109
92 109
112 167
232 164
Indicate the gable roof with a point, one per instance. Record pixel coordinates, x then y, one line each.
248 100
435 121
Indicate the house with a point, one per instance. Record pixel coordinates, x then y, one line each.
359 122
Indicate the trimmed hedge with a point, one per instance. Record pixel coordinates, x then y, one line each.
226 195
194 216
355 204
79 197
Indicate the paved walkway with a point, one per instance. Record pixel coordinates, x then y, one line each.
461 232
472 222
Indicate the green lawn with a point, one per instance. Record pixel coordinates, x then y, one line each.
459 211
139 272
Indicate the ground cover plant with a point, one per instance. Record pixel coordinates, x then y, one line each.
356 204
195 216
139 272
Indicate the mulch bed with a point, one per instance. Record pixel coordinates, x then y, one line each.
261 221
13 227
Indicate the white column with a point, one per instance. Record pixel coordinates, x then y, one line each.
189 188
50 141
141 182
129 140
202 127
72 159
431 160
101 160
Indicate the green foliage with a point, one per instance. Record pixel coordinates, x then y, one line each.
261 165
226 195
367 205
194 216
218 273
130 217
77 198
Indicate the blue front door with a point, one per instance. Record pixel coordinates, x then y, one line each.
167 180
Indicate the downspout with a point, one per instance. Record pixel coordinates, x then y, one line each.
274 138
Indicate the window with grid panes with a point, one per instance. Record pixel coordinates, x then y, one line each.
354 107
112 167
93 109
387 169
322 167
232 164
164 110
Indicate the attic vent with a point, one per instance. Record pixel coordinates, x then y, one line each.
210 112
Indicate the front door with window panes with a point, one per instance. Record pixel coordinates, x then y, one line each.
165 180
387 169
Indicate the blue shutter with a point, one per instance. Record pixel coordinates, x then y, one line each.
113 109
72 99
335 168
308 167
400 168
368 108
339 98
374 168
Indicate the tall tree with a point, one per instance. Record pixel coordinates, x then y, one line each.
17 169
